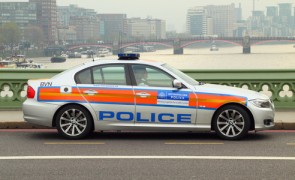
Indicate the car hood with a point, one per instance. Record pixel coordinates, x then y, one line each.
227 90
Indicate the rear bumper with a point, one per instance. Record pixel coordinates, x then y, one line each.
39 113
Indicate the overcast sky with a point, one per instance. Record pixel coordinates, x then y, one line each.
173 11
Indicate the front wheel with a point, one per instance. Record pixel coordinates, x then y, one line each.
231 122
74 122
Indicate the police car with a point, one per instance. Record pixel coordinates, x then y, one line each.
132 94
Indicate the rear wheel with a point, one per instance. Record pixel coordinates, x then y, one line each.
74 122
231 122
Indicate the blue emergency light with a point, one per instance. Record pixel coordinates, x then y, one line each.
128 56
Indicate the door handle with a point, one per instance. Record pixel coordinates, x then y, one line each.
90 92
143 94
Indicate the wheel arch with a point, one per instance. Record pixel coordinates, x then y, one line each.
252 122
69 104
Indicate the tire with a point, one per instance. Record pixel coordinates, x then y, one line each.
74 122
231 122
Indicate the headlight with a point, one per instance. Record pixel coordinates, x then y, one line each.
261 103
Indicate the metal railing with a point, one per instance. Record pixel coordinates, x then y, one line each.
277 84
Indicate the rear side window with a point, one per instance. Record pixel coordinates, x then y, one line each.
114 75
108 74
84 77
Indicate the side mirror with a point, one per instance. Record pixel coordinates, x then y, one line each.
177 84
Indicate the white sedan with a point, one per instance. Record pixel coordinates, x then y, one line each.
132 94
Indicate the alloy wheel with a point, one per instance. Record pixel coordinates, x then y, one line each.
73 122
230 123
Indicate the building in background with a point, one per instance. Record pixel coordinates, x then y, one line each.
113 26
272 11
240 27
257 24
47 19
223 19
64 13
196 21
285 9
277 22
238 13
77 25
146 28
67 35
213 20
24 14
160 28
210 24
272 22
286 19
87 28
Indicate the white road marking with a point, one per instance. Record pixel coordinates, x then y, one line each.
193 143
149 157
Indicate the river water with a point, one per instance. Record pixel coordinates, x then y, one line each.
261 57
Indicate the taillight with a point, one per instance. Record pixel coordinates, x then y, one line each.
30 92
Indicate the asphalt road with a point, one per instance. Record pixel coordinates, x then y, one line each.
42 154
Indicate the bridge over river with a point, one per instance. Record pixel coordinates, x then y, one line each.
180 43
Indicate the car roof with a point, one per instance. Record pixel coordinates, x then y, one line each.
91 63
147 62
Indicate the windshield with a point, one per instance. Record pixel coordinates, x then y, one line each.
180 74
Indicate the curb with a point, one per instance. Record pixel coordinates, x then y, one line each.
25 125
20 125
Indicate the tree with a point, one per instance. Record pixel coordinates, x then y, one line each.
34 35
10 34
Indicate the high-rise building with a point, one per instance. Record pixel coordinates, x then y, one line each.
196 21
285 9
113 26
257 13
87 28
223 19
47 18
285 18
238 13
67 35
160 28
272 11
210 26
146 28
64 13
24 14
257 22
277 22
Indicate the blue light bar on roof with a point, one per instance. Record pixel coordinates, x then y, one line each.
128 56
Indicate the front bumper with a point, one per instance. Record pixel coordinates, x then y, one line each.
263 117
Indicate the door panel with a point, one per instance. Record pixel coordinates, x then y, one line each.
110 95
157 101
165 105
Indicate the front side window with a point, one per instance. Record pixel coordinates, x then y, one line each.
150 76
